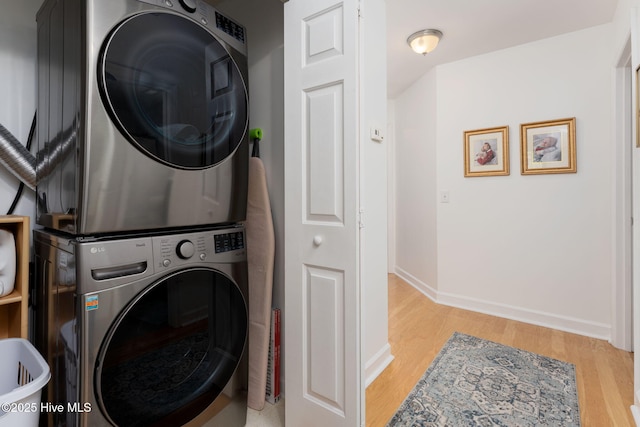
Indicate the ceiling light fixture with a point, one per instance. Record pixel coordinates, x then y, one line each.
424 41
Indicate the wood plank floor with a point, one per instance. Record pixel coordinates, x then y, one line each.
418 328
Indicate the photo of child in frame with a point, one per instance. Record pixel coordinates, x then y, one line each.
546 147
486 152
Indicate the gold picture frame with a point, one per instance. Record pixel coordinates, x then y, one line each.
548 147
486 152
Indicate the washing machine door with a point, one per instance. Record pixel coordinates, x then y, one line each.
173 90
172 350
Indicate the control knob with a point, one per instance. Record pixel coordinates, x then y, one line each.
188 5
185 249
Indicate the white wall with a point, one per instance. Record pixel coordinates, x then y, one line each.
534 248
18 89
376 353
416 175
390 139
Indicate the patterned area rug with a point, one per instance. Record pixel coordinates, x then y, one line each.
474 382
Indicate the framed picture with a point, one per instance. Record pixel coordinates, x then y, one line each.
548 147
486 152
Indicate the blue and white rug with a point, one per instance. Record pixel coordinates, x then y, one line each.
475 382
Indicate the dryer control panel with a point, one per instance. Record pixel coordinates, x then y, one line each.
199 10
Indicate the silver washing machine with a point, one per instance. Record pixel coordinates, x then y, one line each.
142 116
145 330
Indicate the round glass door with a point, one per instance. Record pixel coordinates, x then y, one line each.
172 350
173 90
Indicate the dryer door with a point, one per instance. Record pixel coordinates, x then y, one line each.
173 90
172 350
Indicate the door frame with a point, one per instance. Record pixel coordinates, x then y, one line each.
622 272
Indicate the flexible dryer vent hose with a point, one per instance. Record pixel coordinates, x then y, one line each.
24 165
17 159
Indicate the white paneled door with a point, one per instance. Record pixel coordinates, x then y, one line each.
322 290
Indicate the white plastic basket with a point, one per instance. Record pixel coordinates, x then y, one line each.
23 374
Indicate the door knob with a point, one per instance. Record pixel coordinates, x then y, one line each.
317 240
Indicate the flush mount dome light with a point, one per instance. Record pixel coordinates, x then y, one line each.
424 41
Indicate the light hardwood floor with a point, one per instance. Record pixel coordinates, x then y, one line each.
418 328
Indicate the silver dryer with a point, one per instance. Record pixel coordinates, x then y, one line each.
142 116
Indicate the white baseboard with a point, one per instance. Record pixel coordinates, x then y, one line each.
418 284
548 320
377 364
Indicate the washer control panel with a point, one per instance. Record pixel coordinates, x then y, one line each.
229 241
191 248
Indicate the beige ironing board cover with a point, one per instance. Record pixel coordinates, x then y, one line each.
260 253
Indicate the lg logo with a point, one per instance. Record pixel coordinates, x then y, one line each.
97 250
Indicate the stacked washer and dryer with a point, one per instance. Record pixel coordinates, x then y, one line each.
140 296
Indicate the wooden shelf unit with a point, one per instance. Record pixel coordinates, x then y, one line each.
14 308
